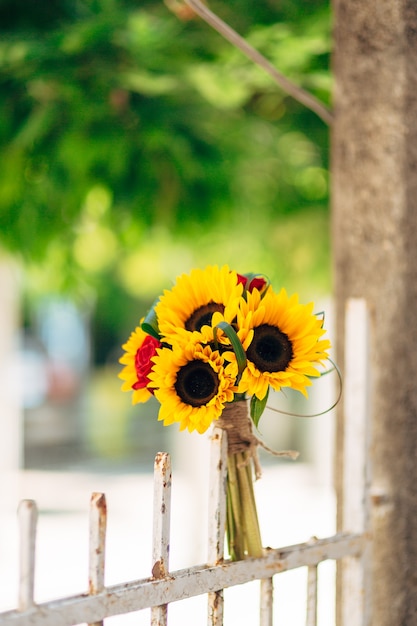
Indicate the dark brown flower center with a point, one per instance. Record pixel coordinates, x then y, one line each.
197 383
202 316
270 349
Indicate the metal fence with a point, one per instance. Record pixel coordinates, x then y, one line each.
164 586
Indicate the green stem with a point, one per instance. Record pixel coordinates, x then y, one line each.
234 512
250 513
243 534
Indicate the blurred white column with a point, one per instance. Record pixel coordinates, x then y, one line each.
191 462
11 426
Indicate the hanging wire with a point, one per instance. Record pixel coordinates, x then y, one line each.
335 403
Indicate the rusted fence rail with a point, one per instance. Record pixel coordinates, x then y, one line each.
164 586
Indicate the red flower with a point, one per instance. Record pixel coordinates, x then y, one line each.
143 361
258 282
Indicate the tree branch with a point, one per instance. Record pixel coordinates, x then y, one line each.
296 92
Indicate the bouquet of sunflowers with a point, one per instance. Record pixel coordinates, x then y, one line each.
214 340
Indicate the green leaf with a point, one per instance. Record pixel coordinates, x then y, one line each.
257 407
150 323
237 347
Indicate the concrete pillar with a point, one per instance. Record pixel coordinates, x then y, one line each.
374 162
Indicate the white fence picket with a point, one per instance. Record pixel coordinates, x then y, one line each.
28 516
356 600
161 530
97 546
312 580
266 602
217 519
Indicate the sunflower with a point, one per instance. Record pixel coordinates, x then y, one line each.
139 350
192 385
206 336
282 342
195 297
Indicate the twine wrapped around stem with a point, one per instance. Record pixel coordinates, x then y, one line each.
242 524
240 438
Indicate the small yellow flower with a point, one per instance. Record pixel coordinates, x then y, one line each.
192 384
282 342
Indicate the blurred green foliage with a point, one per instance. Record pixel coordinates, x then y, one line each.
136 143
